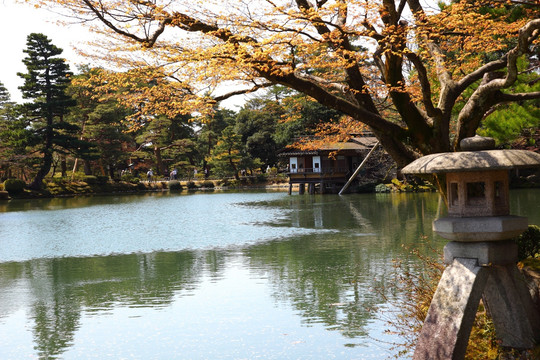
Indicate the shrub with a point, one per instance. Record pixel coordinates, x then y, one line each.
191 185
90 179
102 179
130 178
529 243
382 188
59 180
260 178
208 184
174 185
141 186
14 186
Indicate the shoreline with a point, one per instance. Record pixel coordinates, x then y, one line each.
79 188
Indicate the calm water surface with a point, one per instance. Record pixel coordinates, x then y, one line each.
209 276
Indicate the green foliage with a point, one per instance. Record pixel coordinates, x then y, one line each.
14 186
227 154
508 122
174 185
100 122
95 180
130 178
256 124
208 184
191 185
45 83
529 243
382 188
58 180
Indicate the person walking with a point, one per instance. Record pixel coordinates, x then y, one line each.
150 175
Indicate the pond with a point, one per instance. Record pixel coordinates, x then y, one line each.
209 275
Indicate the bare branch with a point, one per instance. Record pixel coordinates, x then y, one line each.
520 96
242 92
424 84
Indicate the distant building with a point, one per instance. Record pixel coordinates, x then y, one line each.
328 167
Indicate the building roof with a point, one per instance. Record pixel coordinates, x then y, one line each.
356 144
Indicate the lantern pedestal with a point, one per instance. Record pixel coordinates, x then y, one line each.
478 270
481 228
481 259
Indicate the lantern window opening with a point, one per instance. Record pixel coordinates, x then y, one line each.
454 194
499 193
476 193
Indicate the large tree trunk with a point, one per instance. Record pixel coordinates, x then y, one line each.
159 162
37 183
63 166
87 168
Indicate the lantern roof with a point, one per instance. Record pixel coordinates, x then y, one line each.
481 160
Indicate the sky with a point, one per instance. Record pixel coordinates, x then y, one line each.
17 20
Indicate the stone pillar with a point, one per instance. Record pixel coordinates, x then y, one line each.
476 270
450 317
301 189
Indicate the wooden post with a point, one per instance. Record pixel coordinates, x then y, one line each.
364 162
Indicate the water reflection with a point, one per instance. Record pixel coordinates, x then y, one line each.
324 281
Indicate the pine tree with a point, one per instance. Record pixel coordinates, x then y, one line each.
45 83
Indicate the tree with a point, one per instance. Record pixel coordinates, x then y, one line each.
392 65
14 138
45 83
167 137
226 156
211 129
507 124
101 123
256 124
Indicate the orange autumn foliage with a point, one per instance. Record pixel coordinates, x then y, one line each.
420 78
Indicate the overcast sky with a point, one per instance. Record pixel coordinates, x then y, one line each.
19 20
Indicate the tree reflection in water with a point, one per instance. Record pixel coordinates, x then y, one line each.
328 277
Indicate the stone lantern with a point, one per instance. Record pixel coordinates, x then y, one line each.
481 258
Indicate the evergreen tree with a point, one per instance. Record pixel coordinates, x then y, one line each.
45 83
209 133
256 124
14 137
101 124
226 156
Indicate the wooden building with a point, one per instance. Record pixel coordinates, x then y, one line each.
328 167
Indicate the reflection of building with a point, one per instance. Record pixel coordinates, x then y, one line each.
327 167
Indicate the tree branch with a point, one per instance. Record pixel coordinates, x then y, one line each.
519 96
483 98
424 84
241 92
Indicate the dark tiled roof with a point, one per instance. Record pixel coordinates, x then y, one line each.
359 144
